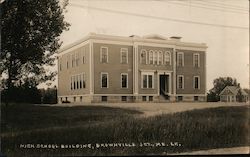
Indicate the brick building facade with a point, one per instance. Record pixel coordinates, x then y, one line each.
152 68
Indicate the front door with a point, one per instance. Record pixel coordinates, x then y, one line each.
164 84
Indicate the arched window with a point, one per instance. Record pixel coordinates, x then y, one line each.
155 57
151 57
160 57
143 57
167 58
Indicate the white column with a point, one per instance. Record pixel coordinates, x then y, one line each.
174 72
91 68
136 60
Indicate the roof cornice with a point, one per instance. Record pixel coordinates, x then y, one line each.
132 40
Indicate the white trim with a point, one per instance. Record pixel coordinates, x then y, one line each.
126 51
136 68
147 74
113 42
174 71
160 54
170 59
191 48
182 58
151 53
77 78
183 85
83 55
161 72
107 79
91 68
126 81
72 48
159 43
156 44
103 47
147 70
194 59
143 51
155 57
198 81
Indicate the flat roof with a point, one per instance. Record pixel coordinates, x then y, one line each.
153 38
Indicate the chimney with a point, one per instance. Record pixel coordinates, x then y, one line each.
175 38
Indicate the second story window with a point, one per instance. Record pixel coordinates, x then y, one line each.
77 55
167 58
155 57
67 62
180 59
124 80
160 57
143 57
124 55
196 60
104 55
180 82
104 80
60 64
73 60
83 55
151 55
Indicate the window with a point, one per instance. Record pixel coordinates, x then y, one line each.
74 79
68 59
180 59
151 57
167 58
143 57
180 82
196 60
124 98
71 83
144 98
160 57
60 64
155 57
150 98
74 99
80 98
196 82
147 81
104 98
73 60
83 55
104 55
77 81
104 80
196 98
77 55
124 80
124 55
179 98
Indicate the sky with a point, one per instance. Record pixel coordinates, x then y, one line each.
222 24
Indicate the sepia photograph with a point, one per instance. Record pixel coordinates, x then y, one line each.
124 78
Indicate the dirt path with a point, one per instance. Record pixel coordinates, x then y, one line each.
152 109
234 150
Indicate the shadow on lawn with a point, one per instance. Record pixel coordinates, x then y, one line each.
194 130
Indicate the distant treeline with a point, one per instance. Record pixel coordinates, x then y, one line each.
30 94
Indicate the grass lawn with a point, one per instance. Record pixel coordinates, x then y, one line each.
191 130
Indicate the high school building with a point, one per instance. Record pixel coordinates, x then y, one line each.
104 68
